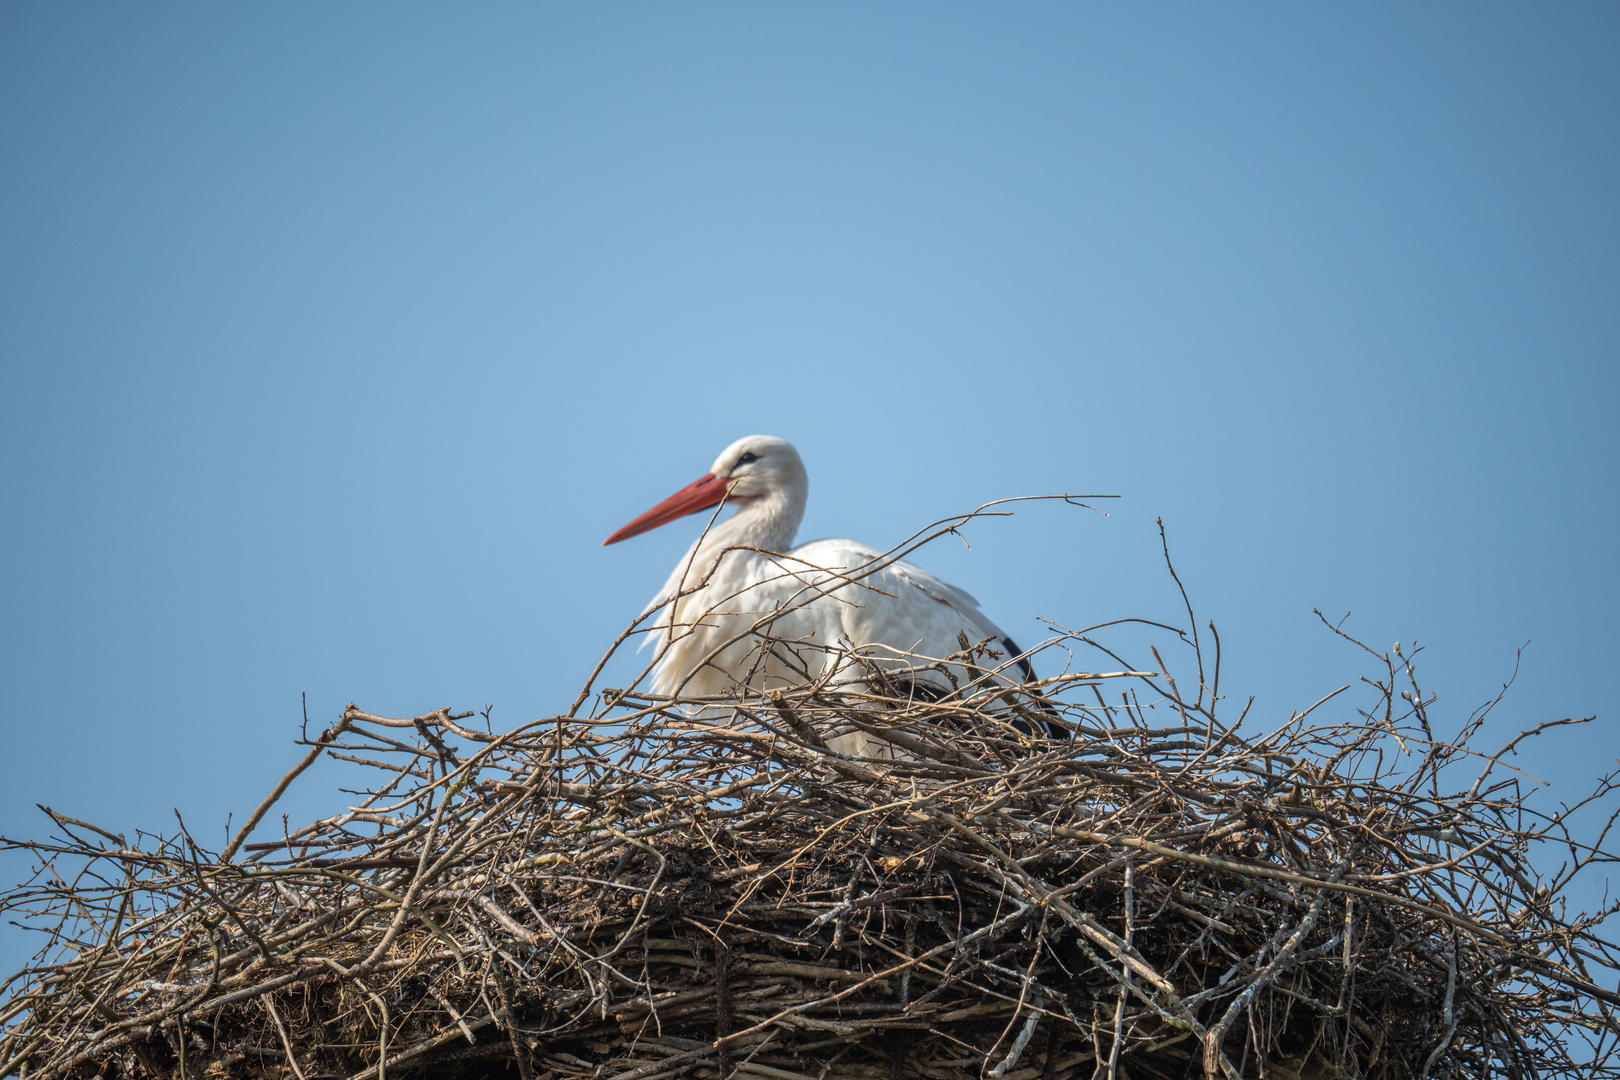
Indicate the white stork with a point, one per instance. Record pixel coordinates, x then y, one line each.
742 582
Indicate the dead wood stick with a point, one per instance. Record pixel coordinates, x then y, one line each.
252 822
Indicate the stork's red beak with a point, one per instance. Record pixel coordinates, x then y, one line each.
700 494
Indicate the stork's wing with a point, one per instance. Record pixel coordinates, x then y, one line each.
881 601
895 604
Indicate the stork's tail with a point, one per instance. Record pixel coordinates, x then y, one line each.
1054 729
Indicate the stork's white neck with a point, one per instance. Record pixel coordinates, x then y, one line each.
768 521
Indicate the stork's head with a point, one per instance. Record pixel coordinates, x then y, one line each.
758 465
754 468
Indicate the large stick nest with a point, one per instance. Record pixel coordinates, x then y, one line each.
666 888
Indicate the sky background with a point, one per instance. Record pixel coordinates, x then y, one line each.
335 338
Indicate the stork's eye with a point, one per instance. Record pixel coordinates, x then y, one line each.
748 459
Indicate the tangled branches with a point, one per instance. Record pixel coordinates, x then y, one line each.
660 888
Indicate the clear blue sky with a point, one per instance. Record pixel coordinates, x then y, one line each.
335 338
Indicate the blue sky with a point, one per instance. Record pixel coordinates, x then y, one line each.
335 338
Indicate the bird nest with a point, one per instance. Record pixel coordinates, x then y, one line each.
652 888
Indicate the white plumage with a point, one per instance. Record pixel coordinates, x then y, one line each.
741 607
